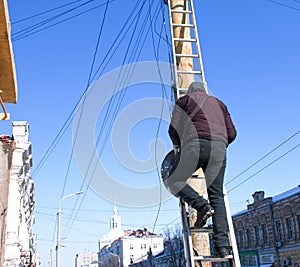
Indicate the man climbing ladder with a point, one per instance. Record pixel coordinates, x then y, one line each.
201 129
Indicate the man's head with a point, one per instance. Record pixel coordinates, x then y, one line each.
196 87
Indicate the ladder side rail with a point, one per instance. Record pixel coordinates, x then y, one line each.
233 242
175 81
200 62
187 238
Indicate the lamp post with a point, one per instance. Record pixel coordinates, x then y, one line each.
58 226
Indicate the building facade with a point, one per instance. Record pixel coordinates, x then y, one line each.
121 248
6 144
268 232
19 243
171 256
86 259
133 247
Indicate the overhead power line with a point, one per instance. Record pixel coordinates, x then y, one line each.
115 101
87 86
38 27
259 171
82 108
263 157
41 23
285 5
44 12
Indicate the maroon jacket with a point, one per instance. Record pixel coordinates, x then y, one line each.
198 115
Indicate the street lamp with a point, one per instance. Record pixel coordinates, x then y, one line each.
58 227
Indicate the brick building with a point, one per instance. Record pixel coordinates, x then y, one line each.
268 232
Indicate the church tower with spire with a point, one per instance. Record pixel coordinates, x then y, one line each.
115 220
115 230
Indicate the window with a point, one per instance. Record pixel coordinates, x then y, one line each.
257 235
290 227
155 245
298 219
279 231
265 234
241 239
131 246
249 238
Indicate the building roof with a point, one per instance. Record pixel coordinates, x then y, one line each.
8 83
289 193
284 195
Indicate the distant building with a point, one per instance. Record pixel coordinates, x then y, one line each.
120 248
268 232
86 259
17 199
115 231
172 255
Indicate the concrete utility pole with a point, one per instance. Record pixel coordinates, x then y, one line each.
183 47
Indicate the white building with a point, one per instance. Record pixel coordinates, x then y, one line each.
19 241
116 250
115 231
135 247
86 259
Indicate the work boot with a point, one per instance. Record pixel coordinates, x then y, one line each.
223 252
202 215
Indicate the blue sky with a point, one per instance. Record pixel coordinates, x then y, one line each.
251 60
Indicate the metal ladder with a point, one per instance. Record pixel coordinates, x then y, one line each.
186 9
192 259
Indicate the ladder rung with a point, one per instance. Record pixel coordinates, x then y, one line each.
211 259
189 72
181 11
201 230
183 25
187 55
184 40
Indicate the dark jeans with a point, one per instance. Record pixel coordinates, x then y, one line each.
211 157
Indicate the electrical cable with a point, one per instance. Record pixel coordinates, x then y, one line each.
260 170
59 135
90 161
87 86
73 112
100 132
159 124
31 32
88 83
97 142
281 4
34 26
263 157
44 12
106 210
